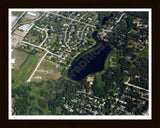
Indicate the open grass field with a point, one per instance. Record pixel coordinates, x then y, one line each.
22 74
101 83
20 57
46 70
109 62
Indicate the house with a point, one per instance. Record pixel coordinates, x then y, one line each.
32 14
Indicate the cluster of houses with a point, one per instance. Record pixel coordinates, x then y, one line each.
95 105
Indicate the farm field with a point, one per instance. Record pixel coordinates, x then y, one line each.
23 73
20 57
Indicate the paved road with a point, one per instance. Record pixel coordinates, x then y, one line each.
120 18
83 16
40 48
116 23
37 67
45 38
18 18
73 19
28 21
127 83
81 35
66 33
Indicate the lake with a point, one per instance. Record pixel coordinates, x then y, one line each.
90 61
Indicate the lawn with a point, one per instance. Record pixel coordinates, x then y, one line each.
20 57
107 61
46 70
23 73
101 83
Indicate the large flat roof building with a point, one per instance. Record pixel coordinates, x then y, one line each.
32 13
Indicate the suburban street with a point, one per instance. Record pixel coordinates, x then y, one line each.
66 33
18 18
127 83
41 48
73 19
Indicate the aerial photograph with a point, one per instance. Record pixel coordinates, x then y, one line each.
79 62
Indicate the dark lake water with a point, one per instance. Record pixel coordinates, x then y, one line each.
90 61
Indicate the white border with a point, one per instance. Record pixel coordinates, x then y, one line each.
104 117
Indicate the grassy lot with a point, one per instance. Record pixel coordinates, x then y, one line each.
31 37
20 58
100 82
107 61
17 13
23 73
43 69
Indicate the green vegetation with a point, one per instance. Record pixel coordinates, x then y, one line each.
144 53
21 75
20 58
51 92
18 14
108 61
32 98
47 70
139 14
34 36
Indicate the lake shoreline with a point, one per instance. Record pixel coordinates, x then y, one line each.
86 62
